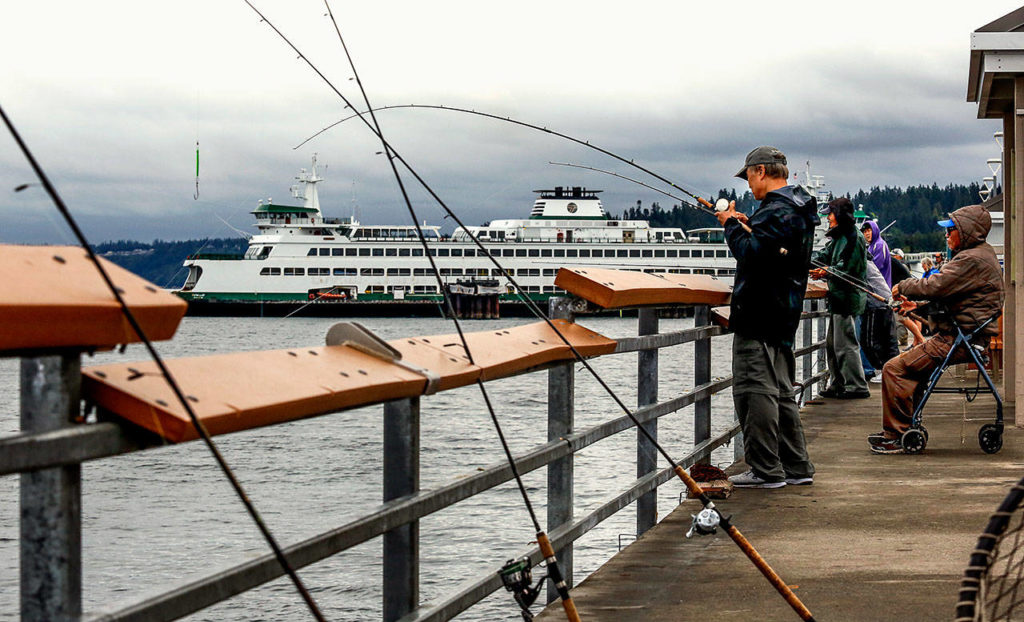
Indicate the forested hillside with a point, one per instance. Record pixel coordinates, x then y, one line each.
915 211
159 262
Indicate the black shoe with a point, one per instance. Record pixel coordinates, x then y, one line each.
876 438
855 395
832 393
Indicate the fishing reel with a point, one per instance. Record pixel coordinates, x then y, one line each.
517 578
721 205
704 522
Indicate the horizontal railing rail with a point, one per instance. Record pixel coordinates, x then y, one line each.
70 446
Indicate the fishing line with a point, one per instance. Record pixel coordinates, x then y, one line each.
720 206
524 595
861 285
691 484
171 382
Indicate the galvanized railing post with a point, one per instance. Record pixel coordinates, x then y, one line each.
647 393
401 470
561 413
822 331
701 375
808 359
51 499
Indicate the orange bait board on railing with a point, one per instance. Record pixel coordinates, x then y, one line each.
239 391
616 289
54 297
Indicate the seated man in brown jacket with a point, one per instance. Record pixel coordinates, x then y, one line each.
970 287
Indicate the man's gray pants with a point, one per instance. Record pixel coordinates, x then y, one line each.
843 354
765 399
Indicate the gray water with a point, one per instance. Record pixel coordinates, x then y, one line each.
154 519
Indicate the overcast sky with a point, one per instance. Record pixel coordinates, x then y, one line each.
112 97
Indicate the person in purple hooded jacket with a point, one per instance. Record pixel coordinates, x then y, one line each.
878 250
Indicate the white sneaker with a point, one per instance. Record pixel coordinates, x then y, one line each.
799 481
750 480
876 379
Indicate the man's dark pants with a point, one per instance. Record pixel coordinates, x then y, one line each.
765 399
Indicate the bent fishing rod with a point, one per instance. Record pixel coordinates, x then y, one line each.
171 382
721 204
586 143
710 514
893 304
514 576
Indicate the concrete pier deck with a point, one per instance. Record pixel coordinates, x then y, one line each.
874 538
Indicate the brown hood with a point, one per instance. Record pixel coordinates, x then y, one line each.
974 223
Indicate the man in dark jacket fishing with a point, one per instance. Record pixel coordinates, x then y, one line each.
970 287
845 253
767 298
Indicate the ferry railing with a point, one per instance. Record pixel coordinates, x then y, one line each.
54 443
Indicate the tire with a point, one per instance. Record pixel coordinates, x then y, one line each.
914 441
990 438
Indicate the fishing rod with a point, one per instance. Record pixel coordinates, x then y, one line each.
514 576
585 143
858 284
710 516
721 204
171 382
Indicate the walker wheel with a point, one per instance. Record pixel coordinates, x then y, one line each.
924 431
914 441
990 437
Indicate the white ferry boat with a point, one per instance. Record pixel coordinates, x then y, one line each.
299 255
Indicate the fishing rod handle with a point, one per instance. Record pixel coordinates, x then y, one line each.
691 484
771 575
556 577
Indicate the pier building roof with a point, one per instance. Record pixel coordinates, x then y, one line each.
997 57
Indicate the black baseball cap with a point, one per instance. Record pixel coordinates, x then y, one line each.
762 155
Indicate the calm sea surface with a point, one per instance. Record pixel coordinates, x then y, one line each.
157 518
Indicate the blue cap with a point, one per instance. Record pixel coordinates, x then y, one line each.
948 223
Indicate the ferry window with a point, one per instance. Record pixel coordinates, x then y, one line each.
545 252
432 251
720 254
350 252
294 271
481 272
583 253
520 252
684 254
403 252
456 271
442 252
549 289
320 271
635 253
550 271
456 252
391 252
337 252
265 252
445 271
534 252
496 272
597 253
378 252
621 253
684 271
659 253
672 253
508 252
647 253
376 233
325 252
417 252
270 272
371 272
311 253
470 252
364 252
421 272
399 271
569 253
560 253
